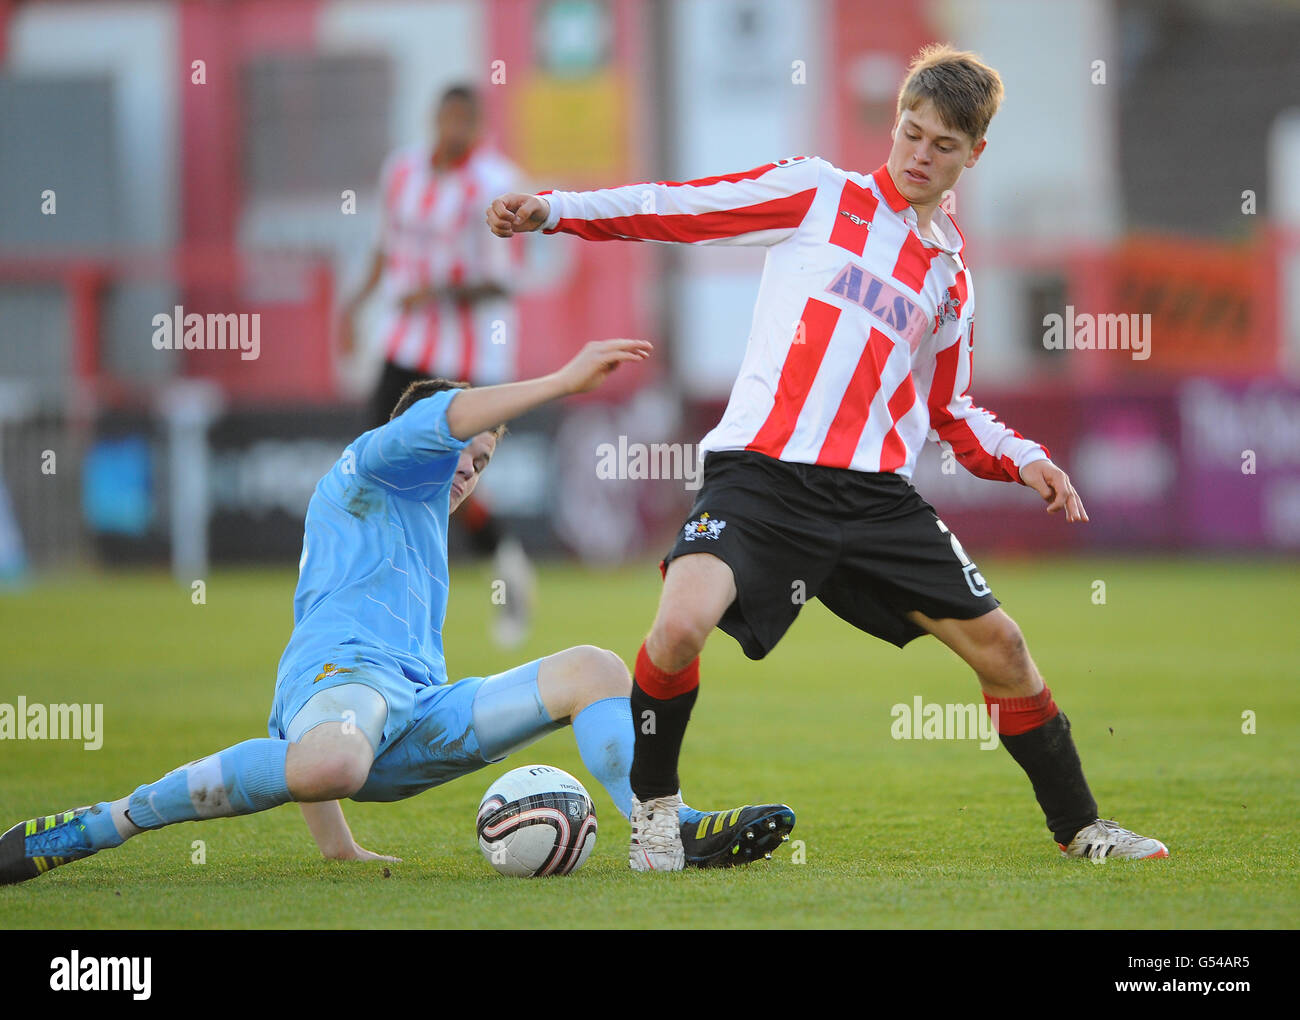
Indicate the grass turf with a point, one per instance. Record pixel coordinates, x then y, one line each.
894 833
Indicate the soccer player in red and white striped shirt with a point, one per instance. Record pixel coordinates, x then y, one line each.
859 351
445 290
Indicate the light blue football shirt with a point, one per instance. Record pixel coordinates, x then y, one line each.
373 574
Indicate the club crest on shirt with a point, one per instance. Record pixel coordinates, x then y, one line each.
948 309
703 527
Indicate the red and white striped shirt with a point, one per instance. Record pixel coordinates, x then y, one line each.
432 235
860 347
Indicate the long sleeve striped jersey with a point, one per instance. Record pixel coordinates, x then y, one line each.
860 346
430 236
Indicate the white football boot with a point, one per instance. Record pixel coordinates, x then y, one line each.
656 835
1104 839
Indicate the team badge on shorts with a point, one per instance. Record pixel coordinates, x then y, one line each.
704 527
330 670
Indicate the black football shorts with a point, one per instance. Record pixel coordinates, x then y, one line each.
865 543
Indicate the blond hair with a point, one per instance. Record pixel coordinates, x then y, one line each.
965 91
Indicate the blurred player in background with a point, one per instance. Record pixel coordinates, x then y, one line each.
446 296
860 350
362 705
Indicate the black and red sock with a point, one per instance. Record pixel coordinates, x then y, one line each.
661 708
1037 735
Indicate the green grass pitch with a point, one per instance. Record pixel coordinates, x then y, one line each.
895 833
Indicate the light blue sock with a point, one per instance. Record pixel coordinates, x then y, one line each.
101 828
605 740
240 780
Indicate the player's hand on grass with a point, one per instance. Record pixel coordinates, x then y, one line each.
513 213
1053 484
356 852
597 359
330 830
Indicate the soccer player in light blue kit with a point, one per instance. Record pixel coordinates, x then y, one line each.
362 707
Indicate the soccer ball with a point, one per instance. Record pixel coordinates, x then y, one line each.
536 820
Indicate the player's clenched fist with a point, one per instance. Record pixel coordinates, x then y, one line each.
511 214
597 359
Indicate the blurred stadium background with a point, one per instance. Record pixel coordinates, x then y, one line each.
1146 160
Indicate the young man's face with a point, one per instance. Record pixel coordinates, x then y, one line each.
928 156
473 459
455 125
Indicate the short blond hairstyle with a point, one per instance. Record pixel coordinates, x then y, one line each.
965 91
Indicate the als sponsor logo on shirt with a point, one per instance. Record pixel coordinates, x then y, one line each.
889 305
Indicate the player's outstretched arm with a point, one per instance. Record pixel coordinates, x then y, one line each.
485 407
330 830
1054 485
761 206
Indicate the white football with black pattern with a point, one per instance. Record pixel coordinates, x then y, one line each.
536 820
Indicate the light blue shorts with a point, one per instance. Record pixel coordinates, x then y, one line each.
428 737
